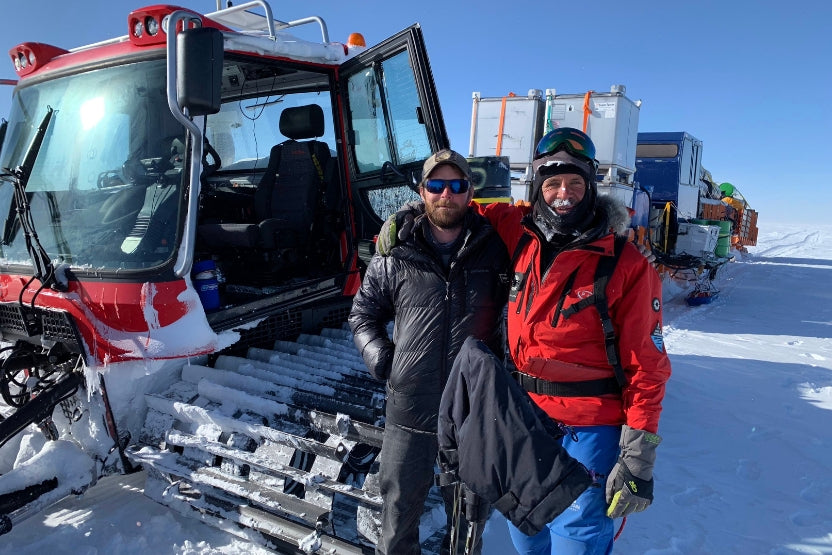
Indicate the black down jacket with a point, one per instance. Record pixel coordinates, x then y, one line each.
506 448
435 310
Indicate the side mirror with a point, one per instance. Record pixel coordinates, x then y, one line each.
199 54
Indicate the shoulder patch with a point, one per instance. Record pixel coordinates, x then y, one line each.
658 338
657 304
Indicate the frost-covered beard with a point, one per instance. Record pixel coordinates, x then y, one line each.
563 204
574 222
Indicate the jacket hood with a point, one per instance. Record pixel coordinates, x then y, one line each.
610 216
618 216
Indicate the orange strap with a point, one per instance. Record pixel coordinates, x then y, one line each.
502 122
587 109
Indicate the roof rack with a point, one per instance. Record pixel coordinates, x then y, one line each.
239 17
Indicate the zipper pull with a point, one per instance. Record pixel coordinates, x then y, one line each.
568 431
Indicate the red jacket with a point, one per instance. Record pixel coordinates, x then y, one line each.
634 297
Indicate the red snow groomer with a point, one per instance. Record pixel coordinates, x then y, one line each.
186 212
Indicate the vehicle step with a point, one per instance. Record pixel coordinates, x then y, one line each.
268 466
198 416
257 526
285 392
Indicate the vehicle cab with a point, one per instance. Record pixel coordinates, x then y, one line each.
268 161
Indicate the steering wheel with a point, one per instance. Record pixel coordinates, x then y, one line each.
209 151
110 178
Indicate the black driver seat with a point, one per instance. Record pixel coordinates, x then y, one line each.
286 197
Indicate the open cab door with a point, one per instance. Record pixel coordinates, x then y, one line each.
393 123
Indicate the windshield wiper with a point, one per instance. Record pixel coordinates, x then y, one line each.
3 126
43 267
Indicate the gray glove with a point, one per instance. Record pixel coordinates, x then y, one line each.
398 227
630 484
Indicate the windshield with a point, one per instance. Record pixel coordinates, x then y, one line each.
105 187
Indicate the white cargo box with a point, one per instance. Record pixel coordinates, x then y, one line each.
507 126
612 124
696 240
623 193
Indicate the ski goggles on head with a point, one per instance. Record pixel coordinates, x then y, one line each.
457 186
571 140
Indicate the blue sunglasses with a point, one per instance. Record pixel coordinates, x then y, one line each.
457 186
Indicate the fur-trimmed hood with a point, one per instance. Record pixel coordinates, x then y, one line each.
610 216
618 216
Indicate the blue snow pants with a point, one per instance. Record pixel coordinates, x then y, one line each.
583 528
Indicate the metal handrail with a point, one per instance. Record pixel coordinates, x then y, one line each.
242 7
270 21
185 258
311 19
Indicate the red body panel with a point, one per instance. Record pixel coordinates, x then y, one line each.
118 321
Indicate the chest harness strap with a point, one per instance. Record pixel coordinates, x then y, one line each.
589 388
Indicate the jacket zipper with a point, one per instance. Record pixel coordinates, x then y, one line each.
445 371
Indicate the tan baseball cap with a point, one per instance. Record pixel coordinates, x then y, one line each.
446 156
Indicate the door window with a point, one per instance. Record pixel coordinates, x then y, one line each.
384 105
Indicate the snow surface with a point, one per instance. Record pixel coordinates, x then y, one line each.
745 465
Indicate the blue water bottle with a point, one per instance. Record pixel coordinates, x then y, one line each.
207 286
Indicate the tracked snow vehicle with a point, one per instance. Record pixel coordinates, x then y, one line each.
186 213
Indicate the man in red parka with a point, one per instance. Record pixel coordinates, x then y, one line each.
558 343
594 360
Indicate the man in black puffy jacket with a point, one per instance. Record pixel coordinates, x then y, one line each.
446 282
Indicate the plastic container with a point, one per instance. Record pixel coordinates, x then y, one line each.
206 284
491 176
723 243
612 123
507 126
696 239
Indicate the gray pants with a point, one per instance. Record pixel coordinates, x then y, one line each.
405 477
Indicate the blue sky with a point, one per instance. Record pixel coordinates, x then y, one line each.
749 79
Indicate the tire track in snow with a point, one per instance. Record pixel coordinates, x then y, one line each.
792 244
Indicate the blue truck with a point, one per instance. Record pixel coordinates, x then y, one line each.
669 170
670 165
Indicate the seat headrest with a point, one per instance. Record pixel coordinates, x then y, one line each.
302 122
